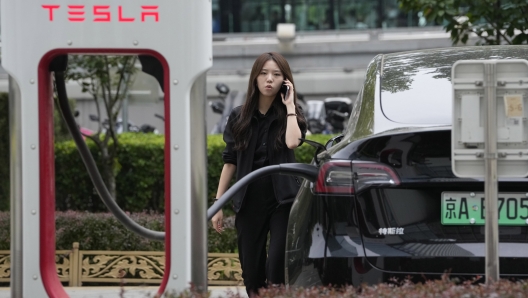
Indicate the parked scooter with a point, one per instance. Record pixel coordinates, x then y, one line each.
328 116
338 110
119 126
227 101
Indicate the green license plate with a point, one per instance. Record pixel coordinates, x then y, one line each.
464 208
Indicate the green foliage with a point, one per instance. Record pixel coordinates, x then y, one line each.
493 21
215 163
140 169
305 153
107 79
140 181
60 129
4 151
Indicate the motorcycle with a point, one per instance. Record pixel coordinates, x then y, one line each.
119 126
338 110
328 116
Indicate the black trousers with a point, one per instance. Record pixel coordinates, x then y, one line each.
261 213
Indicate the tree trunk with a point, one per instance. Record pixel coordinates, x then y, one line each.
107 167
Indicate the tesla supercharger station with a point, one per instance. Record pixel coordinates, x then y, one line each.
178 34
490 133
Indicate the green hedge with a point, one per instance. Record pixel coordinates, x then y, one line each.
140 180
140 186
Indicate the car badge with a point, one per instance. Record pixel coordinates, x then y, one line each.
390 231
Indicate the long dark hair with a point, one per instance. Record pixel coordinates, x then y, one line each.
242 126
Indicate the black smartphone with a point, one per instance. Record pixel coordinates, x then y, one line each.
284 90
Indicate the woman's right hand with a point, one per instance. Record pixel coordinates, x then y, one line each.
218 221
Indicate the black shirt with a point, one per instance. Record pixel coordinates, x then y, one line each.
260 158
285 187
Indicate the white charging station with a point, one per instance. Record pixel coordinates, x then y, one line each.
179 35
510 86
489 138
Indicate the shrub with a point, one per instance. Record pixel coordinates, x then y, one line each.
140 180
445 287
5 231
102 231
140 174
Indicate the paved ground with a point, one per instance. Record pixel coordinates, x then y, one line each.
132 292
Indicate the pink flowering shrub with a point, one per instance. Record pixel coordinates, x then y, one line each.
102 231
441 288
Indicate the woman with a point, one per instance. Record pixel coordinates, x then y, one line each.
263 131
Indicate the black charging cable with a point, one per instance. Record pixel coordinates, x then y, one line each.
309 172
58 66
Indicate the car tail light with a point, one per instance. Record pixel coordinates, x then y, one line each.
337 177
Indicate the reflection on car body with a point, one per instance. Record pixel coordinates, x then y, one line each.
375 211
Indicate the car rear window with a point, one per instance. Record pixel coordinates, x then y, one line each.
422 97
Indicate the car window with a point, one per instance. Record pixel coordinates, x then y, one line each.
429 94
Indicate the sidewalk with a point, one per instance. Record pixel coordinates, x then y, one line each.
132 292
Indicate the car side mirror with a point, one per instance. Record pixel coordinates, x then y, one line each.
333 141
318 147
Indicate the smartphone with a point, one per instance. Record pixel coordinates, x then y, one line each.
285 90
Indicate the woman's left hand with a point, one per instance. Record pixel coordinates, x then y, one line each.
289 99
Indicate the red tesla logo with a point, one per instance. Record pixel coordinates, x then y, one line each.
102 13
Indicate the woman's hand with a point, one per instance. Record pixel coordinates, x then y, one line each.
218 221
288 101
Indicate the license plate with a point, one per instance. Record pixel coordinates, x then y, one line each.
463 208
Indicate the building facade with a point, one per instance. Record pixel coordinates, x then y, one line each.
334 41
231 16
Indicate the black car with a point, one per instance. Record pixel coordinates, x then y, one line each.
374 212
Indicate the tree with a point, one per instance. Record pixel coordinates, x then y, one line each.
494 22
106 79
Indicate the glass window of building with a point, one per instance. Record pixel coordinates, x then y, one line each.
310 15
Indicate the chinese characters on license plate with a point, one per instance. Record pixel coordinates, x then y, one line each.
464 208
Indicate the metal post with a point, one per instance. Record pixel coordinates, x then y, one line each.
198 200
491 179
